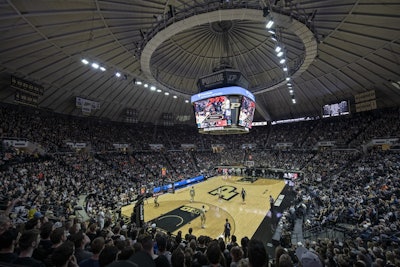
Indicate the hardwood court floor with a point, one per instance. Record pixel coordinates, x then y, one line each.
245 217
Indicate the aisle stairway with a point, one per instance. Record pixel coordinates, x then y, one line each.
297 233
80 211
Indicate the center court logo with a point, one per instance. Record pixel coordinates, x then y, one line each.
190 209
226 192
177 218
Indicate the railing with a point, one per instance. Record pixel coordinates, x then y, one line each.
189 11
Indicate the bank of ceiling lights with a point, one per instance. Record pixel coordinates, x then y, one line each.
97 66
280 52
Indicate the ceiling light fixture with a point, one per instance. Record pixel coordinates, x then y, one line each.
102 68
166 93
282 61
84 61
395 84
285 69
278 49
152 88
280 54
146 85
158 90
269 24
288 79
118 74
95 65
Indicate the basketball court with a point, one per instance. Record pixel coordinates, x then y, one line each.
177 213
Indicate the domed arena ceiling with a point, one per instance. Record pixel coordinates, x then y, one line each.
144 58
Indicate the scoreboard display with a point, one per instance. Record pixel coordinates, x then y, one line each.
335 109
247 112
227 110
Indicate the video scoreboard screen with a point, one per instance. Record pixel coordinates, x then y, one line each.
213 112
247 112
227 110
335 109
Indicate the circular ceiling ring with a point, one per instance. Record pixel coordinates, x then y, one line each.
283 21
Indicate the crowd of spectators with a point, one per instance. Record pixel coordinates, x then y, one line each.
52 131
359 201
39 191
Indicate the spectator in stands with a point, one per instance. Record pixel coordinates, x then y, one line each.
236 254
233 242
27 243
178 258
285 261
340 187
58 236
257 254
81 240
63 255
308 258
214 254
161 240
92 231
244 245
146 256
5 223
189 236
7 244
43 251
33 223
96 247
108 255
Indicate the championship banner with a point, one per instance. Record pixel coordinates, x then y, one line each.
156 147
385 141
86 105
86 108
364 97
120 145
76 145
16 143
326 143
26 86
188 146
287 144
249 146
26 98
365 106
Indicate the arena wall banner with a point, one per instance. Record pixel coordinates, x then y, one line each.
179 184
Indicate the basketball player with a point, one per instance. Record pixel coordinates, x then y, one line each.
192 194
156 204
271 202
227 230
243 195
203 217
219 193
